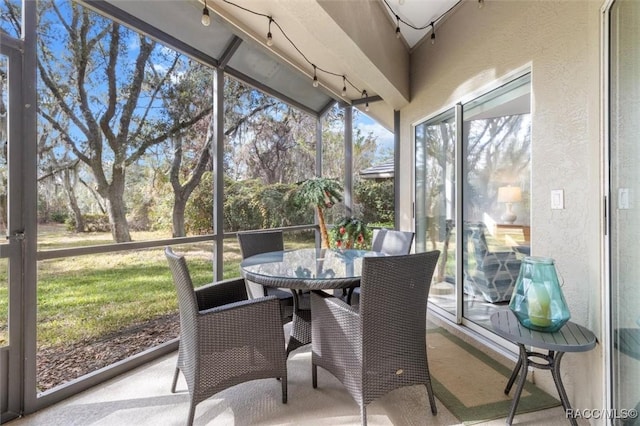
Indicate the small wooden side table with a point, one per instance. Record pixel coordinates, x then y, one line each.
570 338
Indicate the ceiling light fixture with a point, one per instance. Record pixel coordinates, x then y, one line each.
366 100
433 33
424 27
269 42
480 4
206 19
269 36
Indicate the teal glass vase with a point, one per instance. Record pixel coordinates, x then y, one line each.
537 299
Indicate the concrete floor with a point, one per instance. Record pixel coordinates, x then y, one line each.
143 397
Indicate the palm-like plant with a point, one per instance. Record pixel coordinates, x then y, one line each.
321 193
351 233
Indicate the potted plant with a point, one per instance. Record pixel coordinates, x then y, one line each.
321 193
349 233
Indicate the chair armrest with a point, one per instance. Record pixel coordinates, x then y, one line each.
221 293
328 310
504 255
335 304
241 304
254 322
336 336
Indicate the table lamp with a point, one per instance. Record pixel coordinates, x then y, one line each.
509 195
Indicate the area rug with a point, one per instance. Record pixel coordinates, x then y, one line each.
471 384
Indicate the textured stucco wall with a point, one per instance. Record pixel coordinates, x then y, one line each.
560 41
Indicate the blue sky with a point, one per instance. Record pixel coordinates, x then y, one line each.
384 137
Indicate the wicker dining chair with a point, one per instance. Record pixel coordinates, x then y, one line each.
253 243
225 339
390 242
382 345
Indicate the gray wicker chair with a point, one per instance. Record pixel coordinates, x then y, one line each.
390 242
495 272
382 345
225 339
252 243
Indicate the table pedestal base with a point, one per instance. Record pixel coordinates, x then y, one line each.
551 362
301 324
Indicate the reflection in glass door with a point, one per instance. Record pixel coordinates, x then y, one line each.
436 203
496 181
624 187
473 178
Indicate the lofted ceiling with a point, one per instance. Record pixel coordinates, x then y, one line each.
418 14
360 46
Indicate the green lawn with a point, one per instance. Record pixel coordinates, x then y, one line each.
87 297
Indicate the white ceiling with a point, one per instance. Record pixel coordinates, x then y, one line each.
327 31
418 13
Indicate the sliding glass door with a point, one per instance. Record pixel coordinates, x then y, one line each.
496 161
476 213
624 183
436 202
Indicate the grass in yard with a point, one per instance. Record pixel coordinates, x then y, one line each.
91 296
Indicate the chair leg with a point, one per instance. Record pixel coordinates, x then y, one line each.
314 375
283 380
192 412
363 415
432 400
175 380
350 295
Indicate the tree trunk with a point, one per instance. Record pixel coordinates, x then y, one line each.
73 201
323 228
117 210
179 206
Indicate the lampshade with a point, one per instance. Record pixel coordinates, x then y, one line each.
509 194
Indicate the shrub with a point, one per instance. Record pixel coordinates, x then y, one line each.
59 216
92 223
376 199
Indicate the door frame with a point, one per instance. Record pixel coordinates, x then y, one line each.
11 356
607 364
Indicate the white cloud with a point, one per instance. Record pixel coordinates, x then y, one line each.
384 138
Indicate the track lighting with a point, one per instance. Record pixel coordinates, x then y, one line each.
315 77
366 100
397 26
344 86
206 19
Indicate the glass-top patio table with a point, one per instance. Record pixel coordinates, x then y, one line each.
305 269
